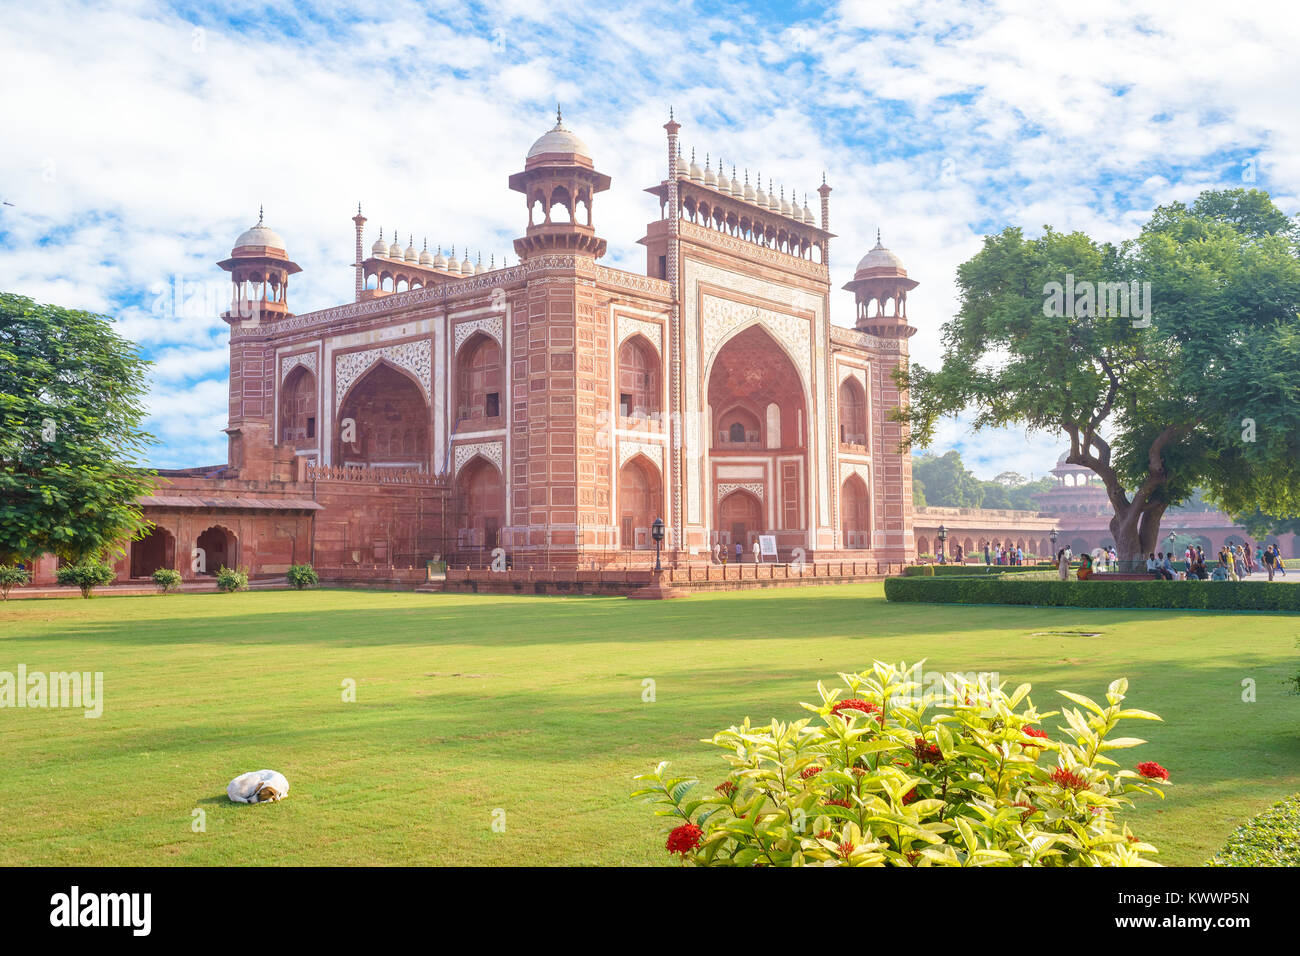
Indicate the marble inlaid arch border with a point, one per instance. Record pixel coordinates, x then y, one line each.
860 469
493 451
492 326
756 488
289 362
629 326
415 357
627 450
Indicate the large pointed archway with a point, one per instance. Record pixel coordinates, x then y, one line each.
383 422
758 441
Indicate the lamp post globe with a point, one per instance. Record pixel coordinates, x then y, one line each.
657 532
943 550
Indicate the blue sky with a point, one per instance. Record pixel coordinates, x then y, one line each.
142 136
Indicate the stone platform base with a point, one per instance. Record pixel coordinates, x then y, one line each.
639 582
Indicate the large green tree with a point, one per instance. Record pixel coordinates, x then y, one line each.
1196 382
72 443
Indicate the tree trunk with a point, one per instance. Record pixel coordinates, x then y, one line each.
1136 531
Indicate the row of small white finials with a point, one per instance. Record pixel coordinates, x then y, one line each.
731 186
427 259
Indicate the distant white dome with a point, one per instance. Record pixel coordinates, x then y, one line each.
440 261
694 172
709 178
750 195
426 257
411 255
380 248
736 189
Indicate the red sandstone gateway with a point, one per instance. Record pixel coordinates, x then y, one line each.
556 407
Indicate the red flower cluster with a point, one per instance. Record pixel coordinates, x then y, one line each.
857 703
684 839
909 796
838 802
808 772
1069 780
1153 771
845 849
726 788
826 835
1034 732
926 753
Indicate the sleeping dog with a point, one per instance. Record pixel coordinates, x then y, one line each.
258 786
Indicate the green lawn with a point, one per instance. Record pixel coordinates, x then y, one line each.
469 704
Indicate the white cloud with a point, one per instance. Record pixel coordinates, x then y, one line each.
137 149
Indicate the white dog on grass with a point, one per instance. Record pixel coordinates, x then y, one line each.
258 786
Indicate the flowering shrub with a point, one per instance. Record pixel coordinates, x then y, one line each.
229 579
86 575
167 579
302 576
12 576
886 777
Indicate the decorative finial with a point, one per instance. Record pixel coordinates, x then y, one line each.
670 114
877 237
492 262
559 119
358 207
746 176
426 244
823 177
259 214
692 155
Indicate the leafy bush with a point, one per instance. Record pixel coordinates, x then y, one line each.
86 575
302 576
1270 839
12 576
228 580
167 579
887 776
1098 592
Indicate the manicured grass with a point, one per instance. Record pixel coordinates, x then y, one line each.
469 704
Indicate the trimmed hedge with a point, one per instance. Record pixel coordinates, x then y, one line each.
970 570
1202 595
1270 839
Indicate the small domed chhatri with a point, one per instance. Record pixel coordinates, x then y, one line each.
259 268
880 286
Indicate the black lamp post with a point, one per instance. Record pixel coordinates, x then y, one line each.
1054 535
1170 539
943 550
657 532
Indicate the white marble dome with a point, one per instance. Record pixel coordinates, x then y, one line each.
880 258
559 139
260 235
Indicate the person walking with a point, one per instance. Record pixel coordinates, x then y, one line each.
740 553
986 553
1267 561
1062 565
758 552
